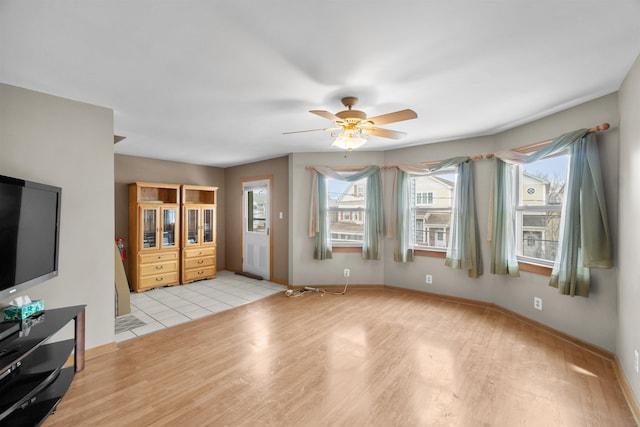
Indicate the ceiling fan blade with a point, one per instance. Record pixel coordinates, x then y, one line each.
309 130
384 133
327 115
398 116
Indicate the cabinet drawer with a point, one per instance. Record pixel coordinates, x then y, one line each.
195 253
158 268
199 262
158 257
199 273
165 279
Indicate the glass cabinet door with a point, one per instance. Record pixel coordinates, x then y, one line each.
149 228
169 227
192 227
208 219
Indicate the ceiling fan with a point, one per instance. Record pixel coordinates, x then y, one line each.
352 127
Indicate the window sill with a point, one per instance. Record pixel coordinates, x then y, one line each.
535 268
431 254
346 249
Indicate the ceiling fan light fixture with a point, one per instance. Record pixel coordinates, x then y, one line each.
350 140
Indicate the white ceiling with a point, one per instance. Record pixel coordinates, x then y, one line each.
218 82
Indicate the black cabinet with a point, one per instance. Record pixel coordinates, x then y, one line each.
33 375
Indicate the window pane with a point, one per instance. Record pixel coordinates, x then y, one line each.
346 211
434 190
543 182
431 228
431 203
541 190
540 232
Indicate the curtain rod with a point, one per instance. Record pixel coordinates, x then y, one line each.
540 144
359 168
432 163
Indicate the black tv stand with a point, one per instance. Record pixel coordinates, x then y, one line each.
7 329
33 378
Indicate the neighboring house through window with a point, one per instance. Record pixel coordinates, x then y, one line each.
431 203
541 188
346 211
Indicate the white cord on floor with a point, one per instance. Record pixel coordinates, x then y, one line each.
300 292
344 291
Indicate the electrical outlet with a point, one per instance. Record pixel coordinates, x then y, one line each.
429 279
635 360
537 303
346 272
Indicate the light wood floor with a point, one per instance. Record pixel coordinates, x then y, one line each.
368 358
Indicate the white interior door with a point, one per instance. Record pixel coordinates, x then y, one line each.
256 229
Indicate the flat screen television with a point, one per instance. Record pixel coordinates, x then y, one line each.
29 234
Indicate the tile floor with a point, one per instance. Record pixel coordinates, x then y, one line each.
169 306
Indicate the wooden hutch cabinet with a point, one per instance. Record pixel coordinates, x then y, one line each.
198 232
154 233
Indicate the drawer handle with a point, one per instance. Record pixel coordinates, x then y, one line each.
200 272
159 267
159 279
200 261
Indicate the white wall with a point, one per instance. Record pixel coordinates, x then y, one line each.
629 215
592 319
68 144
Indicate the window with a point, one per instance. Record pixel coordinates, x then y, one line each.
346 211
432 200
540 196
424 198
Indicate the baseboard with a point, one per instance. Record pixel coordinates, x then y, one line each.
338 287
100 350
629 395
280 282
598 351
94 352
627 391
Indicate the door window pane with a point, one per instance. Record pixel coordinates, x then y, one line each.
257 210
192 226
207 236
169 227
149 230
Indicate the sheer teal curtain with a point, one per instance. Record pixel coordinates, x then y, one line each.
584 241
584 230
322 232
373 217
401 225
503 232
463 251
